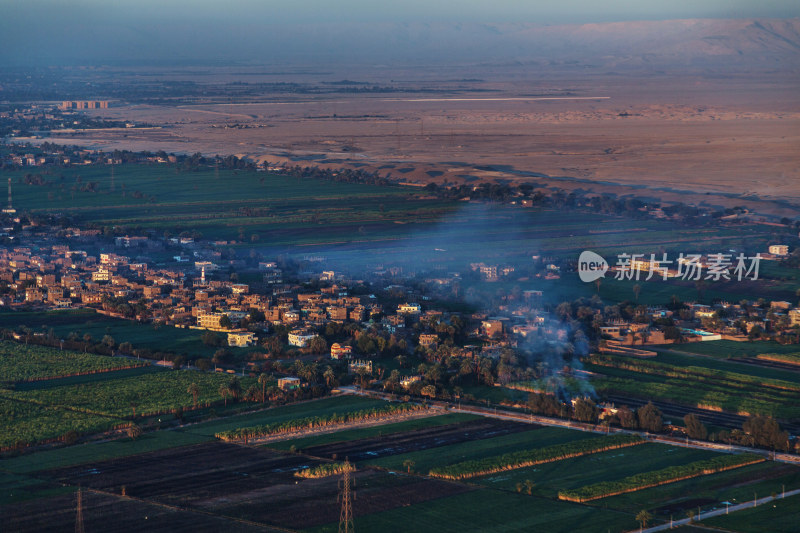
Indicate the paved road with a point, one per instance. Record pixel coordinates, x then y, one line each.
717 512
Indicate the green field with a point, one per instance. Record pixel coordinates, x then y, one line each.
190 434
737 485
22 422
24 363
278 213
724 365
780 516
490 510
725 349
734 387
424 460
15 488
99 451
372 431
83 321
323 407
89 378
550 478
151 394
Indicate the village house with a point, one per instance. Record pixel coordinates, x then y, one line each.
339 351
241 339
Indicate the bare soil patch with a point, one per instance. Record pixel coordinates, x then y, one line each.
421 439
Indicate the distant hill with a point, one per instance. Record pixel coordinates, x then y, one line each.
745 44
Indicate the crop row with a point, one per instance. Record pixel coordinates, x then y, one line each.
23 424
325 470
19 362
312 422
655 478
148 394
723 377
525 458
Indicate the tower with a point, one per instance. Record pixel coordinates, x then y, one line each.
203 275
79 513
10 210
346 516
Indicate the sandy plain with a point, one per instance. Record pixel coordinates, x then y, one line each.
724 140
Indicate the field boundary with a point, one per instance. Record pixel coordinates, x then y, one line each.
336 428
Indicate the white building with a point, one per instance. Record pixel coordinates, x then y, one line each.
300 338
409 309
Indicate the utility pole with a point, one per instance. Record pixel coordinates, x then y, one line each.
346 515
79 513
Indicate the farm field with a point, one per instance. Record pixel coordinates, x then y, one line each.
85 394
247 483
83 321
146 395
57 513
550 478
364 226
23 423
220 485
99 451
732 387
724 349
490 510
321 407
29 363
345 436
736 365
783 516
426 459
738 485
371 449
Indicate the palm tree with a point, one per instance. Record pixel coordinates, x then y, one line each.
262 380
529 485
224 391
330 376
362 374
134 431
409 464
194 390
312 372
235 388
643 518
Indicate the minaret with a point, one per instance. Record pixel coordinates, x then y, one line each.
10 210
203 275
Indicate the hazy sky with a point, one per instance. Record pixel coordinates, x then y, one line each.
539 11
86 31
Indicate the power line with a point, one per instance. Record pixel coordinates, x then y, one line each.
346 516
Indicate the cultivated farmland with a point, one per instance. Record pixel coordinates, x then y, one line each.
31 363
